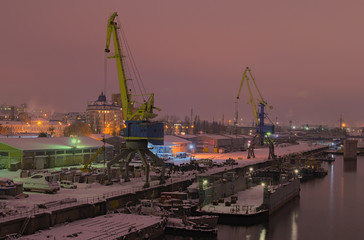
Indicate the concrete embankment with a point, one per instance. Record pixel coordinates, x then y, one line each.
45 218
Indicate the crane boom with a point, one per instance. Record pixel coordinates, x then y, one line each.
125 96
138 128
130 111
258 117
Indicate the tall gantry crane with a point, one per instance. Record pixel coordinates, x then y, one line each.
262 130
138 129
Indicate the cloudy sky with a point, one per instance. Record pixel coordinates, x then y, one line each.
306 56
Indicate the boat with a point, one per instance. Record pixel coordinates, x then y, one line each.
237 213
210 220
276 196
184 227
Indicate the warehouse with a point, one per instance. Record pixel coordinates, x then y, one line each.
40 153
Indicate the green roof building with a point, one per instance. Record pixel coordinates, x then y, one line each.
40 153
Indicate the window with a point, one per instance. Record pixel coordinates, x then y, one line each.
4 154
37 176
60 152
39 153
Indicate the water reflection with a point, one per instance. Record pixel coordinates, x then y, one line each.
263 234
350 165
328 208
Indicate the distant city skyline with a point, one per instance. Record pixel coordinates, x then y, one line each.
305 56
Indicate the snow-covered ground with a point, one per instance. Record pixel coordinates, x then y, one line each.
111 226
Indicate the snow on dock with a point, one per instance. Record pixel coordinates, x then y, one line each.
110 226
248 200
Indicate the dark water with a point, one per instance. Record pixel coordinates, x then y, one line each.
328 208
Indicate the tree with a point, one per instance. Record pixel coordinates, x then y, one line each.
78 129
51 130
5 130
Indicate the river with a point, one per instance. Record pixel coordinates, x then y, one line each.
328 208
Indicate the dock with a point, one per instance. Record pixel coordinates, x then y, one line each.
95 200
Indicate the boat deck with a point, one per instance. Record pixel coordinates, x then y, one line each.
246 203
111 226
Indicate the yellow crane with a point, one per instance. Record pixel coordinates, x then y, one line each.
259 118
139 130
262 129
130 111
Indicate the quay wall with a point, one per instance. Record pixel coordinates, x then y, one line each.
47 218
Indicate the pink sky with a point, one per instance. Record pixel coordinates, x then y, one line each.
306 56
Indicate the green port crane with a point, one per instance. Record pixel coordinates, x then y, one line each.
138 129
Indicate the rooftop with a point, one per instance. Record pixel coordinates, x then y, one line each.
52 143
174 139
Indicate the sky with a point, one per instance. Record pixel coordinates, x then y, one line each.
306 56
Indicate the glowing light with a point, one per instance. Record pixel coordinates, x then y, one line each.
343 125
296 171
39 122
74 140
263 184
251 169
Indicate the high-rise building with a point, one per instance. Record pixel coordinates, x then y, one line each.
104 117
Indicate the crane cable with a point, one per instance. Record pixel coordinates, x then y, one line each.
134 69
105 73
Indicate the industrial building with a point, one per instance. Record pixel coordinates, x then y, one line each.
173 147
40 153
220 143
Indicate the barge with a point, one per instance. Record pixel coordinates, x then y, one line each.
240 213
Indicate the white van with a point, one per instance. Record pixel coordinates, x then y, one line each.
68 184
40 182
